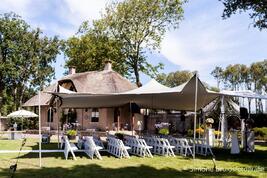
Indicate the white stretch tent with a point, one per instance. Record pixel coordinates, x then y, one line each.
151 95
190 96
243 94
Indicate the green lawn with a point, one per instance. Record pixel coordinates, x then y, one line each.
55 166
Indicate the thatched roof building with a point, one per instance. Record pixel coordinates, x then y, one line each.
98 82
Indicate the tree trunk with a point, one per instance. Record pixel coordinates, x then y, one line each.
137 77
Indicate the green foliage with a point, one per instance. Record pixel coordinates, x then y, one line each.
119 135
260 133
26 58
257 10
164 131
240 76
89 50
72 132
190 133
26 123
126 31
174 78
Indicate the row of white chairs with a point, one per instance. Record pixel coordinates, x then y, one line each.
161 146
202 147
90 148
117 148
138 146
68 147
181 146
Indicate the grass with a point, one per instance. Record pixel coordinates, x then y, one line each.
55 166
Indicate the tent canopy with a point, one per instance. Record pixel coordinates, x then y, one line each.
243 93
22 114
151 95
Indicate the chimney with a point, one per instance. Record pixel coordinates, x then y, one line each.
108 65
72 70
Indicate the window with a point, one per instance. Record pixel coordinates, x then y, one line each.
95 115
50 115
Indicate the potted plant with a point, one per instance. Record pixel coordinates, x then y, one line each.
119 135
71 134
164 132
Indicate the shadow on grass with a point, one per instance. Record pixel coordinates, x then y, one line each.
97 171
258 158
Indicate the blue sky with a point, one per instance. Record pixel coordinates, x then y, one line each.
202 42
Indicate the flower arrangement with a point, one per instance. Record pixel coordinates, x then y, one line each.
217 132
200 131
71 134
164 131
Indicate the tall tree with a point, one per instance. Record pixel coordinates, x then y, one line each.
91 47
257 10
174 79
26 58
217 73
140 25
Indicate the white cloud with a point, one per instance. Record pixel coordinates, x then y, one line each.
204 40
77 11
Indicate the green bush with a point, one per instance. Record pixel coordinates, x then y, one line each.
190 133
260 133
119 135
164 131
71 132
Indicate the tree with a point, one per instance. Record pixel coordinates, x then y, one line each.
26 59
217 74
257 10
91 47
240 76
140 25
174 79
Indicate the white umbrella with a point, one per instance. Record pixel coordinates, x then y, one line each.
22 114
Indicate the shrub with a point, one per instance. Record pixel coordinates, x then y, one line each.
190 133
71 132
260 133
164 131
119 135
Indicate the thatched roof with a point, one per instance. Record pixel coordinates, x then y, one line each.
98 82
45 97
103 82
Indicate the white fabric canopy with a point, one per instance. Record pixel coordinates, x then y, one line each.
22 114
151 95
244 94
64 90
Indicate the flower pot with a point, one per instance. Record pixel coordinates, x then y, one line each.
71 137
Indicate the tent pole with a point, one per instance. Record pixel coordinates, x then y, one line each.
223 124
195 117
82 119
40 135
58 119
118 120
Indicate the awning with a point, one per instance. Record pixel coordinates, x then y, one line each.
243 94
151 95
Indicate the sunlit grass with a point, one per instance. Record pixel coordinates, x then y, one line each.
55 165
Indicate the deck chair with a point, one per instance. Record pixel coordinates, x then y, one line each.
138 146
91 149
68 147
117 148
